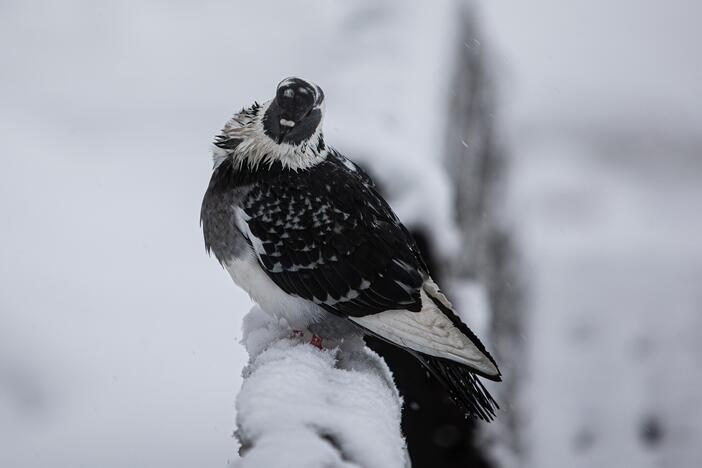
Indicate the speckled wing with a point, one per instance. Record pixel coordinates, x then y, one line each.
326 235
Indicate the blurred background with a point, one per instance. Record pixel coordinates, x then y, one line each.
548 154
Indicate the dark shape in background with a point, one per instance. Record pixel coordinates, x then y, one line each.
436 432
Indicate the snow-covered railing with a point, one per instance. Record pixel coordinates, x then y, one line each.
301 406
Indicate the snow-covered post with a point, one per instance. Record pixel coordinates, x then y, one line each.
301 406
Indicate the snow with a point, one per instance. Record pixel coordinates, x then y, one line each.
300 406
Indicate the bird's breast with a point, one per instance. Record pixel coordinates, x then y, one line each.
248 274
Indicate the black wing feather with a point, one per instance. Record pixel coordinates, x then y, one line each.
329 237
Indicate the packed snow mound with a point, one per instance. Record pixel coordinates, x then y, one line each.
300 406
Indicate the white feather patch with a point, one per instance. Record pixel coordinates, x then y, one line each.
241 219
248 274
429 331
256 148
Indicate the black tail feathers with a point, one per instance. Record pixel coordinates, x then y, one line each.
463 386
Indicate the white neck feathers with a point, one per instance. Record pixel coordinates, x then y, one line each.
256 148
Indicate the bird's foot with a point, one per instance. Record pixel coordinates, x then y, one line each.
316 341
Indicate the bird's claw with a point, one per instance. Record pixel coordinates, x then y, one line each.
315 340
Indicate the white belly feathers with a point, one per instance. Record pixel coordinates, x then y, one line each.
248 274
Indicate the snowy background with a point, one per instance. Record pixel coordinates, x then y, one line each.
119 337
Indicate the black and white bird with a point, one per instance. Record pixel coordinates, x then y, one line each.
303 230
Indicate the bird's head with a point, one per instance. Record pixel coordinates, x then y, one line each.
286 129
295 113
